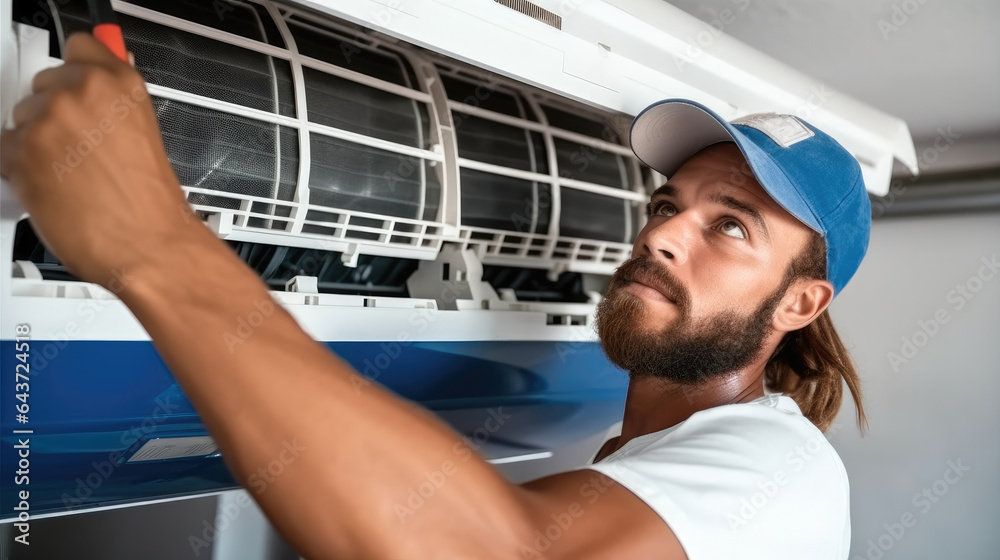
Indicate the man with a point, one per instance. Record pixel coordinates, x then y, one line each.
727 289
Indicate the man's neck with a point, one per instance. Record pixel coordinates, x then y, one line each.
654 404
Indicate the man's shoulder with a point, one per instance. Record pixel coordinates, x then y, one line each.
737 446
739 473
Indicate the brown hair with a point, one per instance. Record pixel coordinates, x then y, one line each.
811 364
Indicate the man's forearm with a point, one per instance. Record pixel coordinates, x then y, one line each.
352 449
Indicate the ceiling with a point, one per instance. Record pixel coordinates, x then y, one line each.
934 63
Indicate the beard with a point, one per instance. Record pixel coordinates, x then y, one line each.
689 352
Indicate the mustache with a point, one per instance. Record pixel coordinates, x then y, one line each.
646 271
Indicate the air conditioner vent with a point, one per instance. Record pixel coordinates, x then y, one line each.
533 11
300 130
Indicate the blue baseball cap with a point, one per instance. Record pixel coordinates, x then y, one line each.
803 169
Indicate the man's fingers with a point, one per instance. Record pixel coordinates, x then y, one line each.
9 144
85 48
29 108
82 51
6 147
48 78
57 77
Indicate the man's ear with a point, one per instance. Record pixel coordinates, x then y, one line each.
804 301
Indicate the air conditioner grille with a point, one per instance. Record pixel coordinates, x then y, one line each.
350 143
534 11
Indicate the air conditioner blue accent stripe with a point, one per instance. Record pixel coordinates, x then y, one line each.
91 400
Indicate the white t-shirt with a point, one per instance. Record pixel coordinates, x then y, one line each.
754 480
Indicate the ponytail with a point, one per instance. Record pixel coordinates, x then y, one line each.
811 364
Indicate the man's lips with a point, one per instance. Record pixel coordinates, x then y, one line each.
643 286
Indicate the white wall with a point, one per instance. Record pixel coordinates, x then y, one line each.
939 406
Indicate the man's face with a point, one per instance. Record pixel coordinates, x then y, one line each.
697 297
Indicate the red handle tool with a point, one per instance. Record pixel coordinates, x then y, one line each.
106 27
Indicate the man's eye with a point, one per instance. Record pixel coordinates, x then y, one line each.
661 209
732 228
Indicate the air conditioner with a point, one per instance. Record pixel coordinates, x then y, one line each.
436 189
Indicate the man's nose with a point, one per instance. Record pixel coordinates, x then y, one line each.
670 239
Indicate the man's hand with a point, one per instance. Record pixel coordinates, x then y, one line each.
87 161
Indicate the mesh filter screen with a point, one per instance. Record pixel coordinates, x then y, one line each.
180 60
228 153
500 144
340 103
483 94
330 48
239 18
355 177
188 62
499 202
590 163
594 216
580 124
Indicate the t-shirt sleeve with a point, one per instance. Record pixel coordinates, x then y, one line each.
743 481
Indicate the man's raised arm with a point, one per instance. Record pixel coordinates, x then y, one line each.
353 450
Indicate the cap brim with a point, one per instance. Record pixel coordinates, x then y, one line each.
668 133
